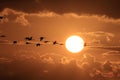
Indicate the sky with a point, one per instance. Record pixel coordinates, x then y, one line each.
96 21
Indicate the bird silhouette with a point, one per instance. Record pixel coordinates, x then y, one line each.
14 42
28 38
1 17
55 42
41 38
28 43
38 44
2 36
46 41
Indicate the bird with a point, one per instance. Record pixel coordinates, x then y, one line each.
14 42
55 42
46 41
38 44
41 38
28 38
28 43
1 17
2 36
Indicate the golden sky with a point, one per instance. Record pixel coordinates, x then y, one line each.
97 22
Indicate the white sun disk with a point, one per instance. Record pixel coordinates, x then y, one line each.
74 44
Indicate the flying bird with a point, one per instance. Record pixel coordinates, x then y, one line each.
1 17
28 43
2 36
14 42
41 38
46 41
38 44
55 42
28 38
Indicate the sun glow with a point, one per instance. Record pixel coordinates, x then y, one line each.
74 44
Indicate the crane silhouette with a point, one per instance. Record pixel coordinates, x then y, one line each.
28 43
38 44
46 41
41 38
14 42
2 36
55 42
1 17
28 38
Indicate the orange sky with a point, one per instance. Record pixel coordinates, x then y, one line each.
97 22
94 29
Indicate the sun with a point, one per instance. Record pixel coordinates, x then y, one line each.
74 44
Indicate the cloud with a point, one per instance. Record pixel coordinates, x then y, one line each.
103 18
111 48
21 17
5 60
97 29
5 42
114 53
98 37
47 58
4 20
14 16
60 7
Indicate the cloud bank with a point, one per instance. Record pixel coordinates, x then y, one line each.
65 6
102 28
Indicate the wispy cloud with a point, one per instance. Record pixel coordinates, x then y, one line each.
5 42
20 17
116 53
5 60
14 16
111 48
98 37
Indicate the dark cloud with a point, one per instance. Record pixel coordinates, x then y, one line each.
106 7
32 64
45 68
